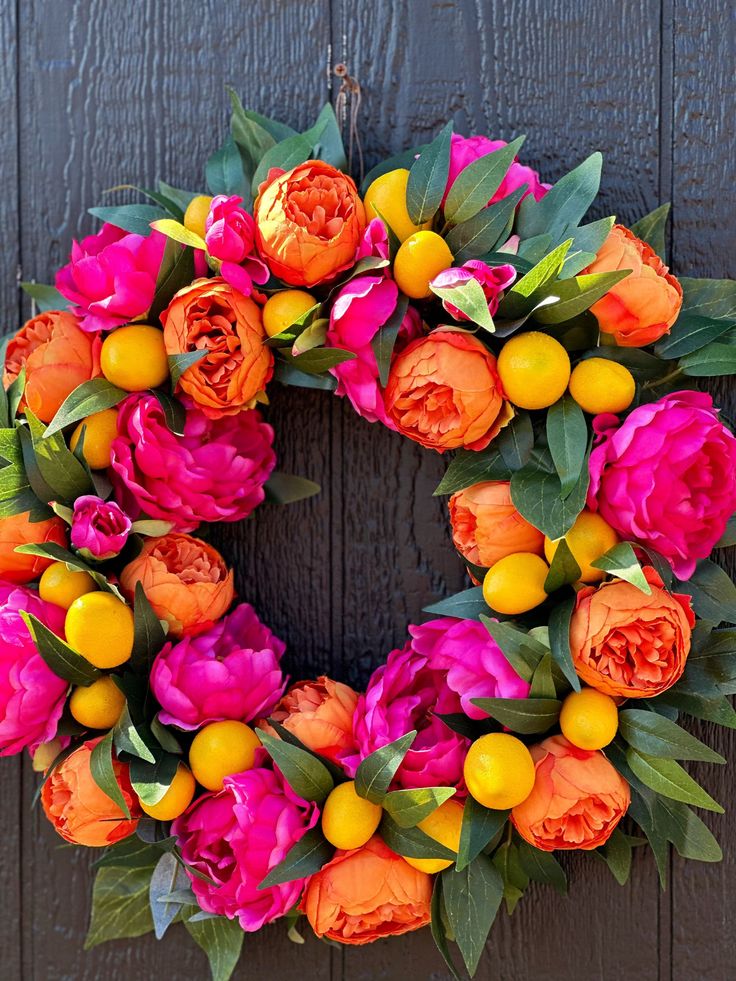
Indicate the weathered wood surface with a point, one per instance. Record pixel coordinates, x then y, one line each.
97 93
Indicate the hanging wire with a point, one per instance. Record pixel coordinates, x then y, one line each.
347 107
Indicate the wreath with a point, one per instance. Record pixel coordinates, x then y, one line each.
461 302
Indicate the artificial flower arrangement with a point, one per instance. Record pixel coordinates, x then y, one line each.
464 304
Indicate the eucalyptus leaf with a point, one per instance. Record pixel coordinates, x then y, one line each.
479 826
515 442
224 171
384 341
655 735
473 897
652 227
167 877
86 399
65 662
135 218
620 561
690 333
222 941
542 867
304 858
523 715
563 569
376 771
565 204
305 774
479 235
567 437
286 488
409 807
428 178
468 605
668 778
103 772
476 184
151 781
180 363
713 592
45 297
472 467
559 639
412 842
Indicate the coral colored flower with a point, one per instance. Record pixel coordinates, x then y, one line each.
79 811
111 276
100 528
185 580
57 356
365 894
664 477
214 472
31 695
230 671
475 664
466 149
309 223
577 800
320 714
486 526
493 280
236 837
444 392
20 530
230 238
209 315
639 309
628 644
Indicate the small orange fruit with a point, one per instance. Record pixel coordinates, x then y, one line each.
62 586
134 357
444 826
221 749
195 216
499 771
349 821
100 429
420 258
176 799
99 626
284 308
98 706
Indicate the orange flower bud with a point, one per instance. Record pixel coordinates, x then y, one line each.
320 714
20 530
487 527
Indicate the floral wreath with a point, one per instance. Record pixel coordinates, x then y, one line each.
464 304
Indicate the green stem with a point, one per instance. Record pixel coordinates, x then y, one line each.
657 382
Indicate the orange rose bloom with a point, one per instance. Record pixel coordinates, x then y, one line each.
185 580
309 221
577 800
365 894
639 309
20 530
486 526
211 316
444 392
57 354
79 810
627 644
320 714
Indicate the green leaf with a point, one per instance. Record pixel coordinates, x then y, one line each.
563 569
287 374
176 272
527 291
587 240
399 161
712 298
576 295
409 807
127 738
385 340
468 605
717 710
472 467
152 780
543 683
439 928
103 773
536 492
304 773
286 154
651 228
470 299
176 196
428 178
224 171
668 778
58 466
687 832
476 184
62 659
617 853
567 436
130 853
473 897
178 233
542 867
120 904
515 442
59 554
180 363
375 773
286 488
524 715
655 735
690 333
164 737
89 397
45 297
559 639
620 561
412 842
221 940
148 634
336 772
565 204
710 361
168 877
304 858
480 825
521 650
712 591
173 410
330 146
515 880
135 218
480 234
319 360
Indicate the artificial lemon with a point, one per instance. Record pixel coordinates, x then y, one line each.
62 586
98 706
99 626
386 198
600 385
176 799
221 749
348 821
588 539
499 771
515 583
443 825
534 369
285 307
100 429
195 217
134 357
420 258
589 719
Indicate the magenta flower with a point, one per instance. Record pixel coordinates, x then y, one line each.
475 664
214 472
31 695
230 237
111 276
493 280
235 837
466 149
373 242
230 671
100 528
665 477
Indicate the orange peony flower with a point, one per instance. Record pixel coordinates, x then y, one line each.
487 527
628 644
57 355
320 714
444 392
577 800
365 894
639 309
309 221
20 530
209 315
185 580
79 810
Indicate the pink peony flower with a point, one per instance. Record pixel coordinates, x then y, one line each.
31 695
664 477
407 693
475 664
466 149
111 276
230 671
100 528
373 242
235 837
493 279
230 237
214 472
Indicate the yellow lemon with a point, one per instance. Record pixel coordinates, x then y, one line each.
176 799
589 719
100 429
588 539
62 586
499 771
515 583
420 258
99 626
444 826
534 369
195 216
348 821
221 749
99 705
386 198
600 385
283 308
134 357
